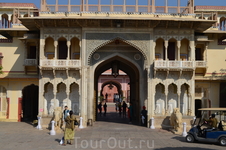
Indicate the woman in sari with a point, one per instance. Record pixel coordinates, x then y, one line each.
69 132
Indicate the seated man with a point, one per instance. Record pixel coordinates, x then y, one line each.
212 124
213 121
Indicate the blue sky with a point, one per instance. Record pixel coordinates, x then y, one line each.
158 2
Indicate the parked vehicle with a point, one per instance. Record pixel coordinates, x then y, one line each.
203 130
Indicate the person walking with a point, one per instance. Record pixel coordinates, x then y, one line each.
105 108
120 109
124 106
144 116
116 106
69 132
130 111
100 108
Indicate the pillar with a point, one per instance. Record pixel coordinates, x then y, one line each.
41 98
124 5
136 7
42 45
166 6
55 45
153 6
192 50
84 95
68 49
149 99
178 6
166 47
69 6
178 50
9 21
178 101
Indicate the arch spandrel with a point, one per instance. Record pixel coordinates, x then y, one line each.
96 40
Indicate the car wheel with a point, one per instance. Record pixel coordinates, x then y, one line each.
189 138
222 141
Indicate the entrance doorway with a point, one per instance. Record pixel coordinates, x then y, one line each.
198 105
132 72
30 103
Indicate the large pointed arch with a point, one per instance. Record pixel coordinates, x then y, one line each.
112 40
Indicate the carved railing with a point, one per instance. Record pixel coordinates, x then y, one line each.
201 64
160 64
30 62
60 63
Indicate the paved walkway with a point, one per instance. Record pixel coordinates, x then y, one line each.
110 133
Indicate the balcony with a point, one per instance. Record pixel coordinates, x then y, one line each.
30 62
174 65
201 64
60 63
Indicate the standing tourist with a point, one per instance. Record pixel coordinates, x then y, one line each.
130 113
144 116
105 109
69 132
100 108
120 109
66 112
124 106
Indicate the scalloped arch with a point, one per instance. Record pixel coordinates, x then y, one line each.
63 37
117 38
159 38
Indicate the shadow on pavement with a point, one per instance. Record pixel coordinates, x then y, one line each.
114 117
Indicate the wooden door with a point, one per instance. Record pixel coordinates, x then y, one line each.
19 109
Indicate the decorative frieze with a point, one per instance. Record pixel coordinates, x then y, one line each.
168 34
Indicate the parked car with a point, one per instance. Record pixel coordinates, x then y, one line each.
203 130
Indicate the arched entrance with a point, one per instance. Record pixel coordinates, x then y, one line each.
117 89
132 71
30 103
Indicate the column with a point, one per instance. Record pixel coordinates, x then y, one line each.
178 101
69 6
178 50
84 95
136 10
124 5
178 6
192 50
55 45
84 85
166 6
149 101
166 101
153 6
68 49
166 47
56 6
37 48
41 98
9 21
87 5
99 7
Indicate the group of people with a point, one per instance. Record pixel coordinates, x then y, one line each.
123 109
100 108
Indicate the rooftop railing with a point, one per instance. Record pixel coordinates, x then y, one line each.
148 6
